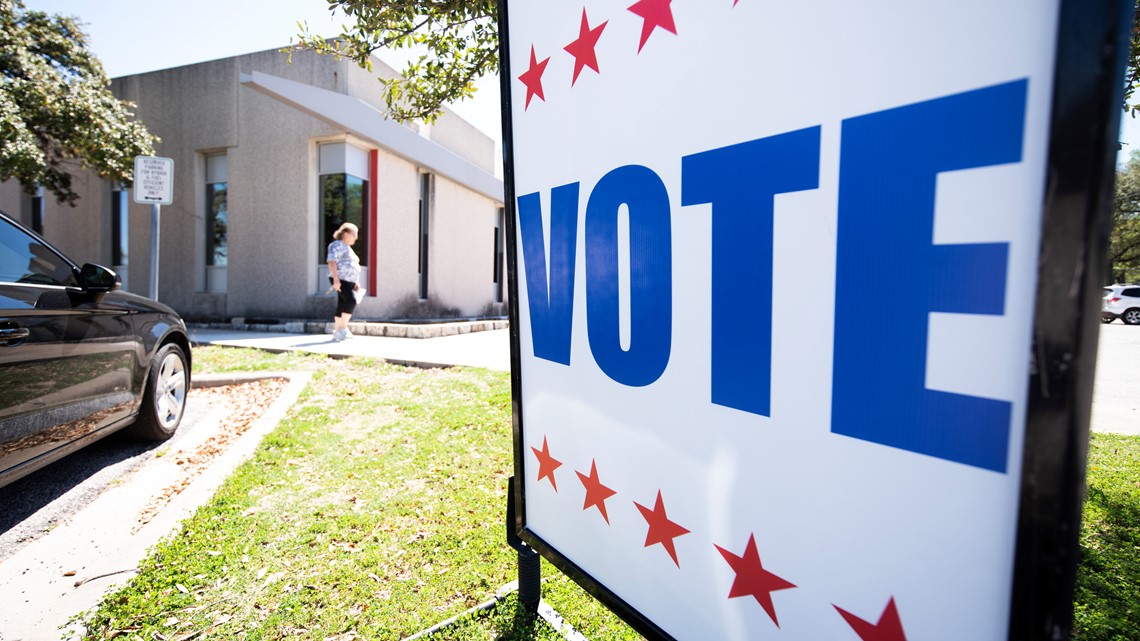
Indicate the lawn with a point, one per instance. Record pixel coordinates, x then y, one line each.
1107 602
376 510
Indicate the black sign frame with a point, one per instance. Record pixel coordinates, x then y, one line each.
1092 48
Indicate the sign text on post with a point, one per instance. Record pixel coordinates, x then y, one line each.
154 180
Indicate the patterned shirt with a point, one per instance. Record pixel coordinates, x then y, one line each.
347 263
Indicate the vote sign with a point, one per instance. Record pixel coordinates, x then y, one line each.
775 271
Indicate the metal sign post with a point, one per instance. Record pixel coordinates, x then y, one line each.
154 185
154 262
803 319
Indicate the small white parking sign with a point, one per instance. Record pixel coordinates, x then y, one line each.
154 180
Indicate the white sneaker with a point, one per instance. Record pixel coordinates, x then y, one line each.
346 335
338 335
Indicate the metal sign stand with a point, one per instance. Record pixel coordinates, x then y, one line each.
530 566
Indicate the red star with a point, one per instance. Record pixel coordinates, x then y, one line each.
661 529
656 13
889 627
752 579
532 78
583 48
596 493
546 464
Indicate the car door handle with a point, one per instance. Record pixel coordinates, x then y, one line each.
12 335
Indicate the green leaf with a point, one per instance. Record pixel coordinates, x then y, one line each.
57 111
461 38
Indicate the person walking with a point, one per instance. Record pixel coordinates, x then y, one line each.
344 272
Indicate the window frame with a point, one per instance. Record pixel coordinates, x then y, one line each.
120 226
424 237
325 231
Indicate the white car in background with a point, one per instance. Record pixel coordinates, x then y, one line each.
1123 302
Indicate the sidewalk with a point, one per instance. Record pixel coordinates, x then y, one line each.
489 349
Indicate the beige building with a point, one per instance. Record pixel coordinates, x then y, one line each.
269 158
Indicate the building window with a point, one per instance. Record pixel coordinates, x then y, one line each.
425 211
497 271
217 222
120 223
344 198
38 211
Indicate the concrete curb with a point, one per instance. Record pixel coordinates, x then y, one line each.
201 381
218 380
363 328
488 349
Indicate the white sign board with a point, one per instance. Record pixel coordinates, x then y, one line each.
154 180
776 274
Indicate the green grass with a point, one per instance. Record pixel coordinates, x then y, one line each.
374 511
1107 601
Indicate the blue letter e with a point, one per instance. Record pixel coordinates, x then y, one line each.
890 276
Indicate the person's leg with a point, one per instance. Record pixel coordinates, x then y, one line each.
346 306
340 322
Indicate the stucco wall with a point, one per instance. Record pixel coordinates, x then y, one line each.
398 202
465 139
11 197
64 225
462 254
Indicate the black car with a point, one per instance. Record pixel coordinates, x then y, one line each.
79 357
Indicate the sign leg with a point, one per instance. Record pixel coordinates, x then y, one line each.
530 566
154 216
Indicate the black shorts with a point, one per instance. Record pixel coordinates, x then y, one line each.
345 299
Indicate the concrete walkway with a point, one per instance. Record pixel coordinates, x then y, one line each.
1116 390
489 349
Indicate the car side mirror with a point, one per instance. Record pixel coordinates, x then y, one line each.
96 279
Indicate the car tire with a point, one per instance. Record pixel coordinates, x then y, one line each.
1131 316
1106 319
164 401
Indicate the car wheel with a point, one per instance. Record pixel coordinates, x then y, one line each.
1132 316
164 401
1106 319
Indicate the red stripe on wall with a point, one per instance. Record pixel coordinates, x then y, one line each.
373 234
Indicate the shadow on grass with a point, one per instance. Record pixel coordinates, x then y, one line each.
1106 605
509 620
520 623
